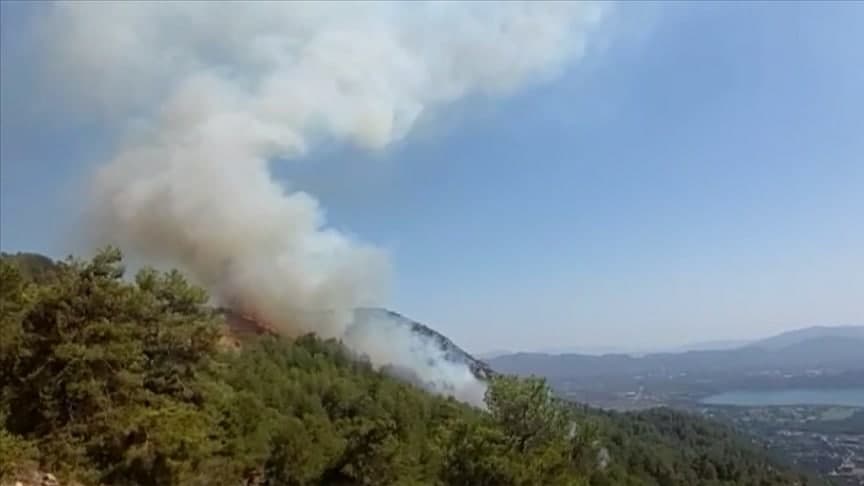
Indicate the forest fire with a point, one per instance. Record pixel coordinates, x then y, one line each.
241 326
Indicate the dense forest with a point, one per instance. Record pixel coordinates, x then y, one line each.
113 380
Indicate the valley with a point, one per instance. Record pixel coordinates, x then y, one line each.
819 430
800 395
828 440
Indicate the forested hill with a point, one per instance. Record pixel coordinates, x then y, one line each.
106 380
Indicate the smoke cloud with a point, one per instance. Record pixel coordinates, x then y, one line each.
211 94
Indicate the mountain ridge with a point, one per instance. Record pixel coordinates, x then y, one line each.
798 335
452 352
814 352
368 318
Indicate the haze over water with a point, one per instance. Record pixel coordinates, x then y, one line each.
849 397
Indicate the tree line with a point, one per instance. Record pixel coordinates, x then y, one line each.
113 380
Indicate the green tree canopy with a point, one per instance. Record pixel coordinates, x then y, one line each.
109 380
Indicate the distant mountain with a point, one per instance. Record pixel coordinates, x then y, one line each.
801 335
640 351
589 350
790 352
487 355
826 349
710 346
773 342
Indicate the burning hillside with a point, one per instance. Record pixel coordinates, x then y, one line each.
450 351
242 325
410 350
203 116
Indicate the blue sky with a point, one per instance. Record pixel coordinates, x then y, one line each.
700 179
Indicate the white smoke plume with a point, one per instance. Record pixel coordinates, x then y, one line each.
211 94
414 355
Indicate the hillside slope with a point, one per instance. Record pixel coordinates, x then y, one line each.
451 352
110 382
367 320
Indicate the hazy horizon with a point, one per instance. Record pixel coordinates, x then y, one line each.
696 174
713 344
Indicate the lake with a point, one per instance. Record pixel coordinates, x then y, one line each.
849 397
